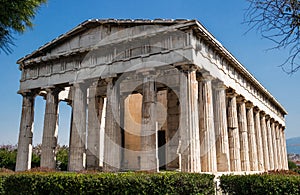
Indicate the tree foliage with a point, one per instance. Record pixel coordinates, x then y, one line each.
15 17
8 156
278 21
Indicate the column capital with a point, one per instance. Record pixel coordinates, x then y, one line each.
219 85
53 89
241 99
268 117
205 76
231 93
28 92
188 67
249 105
262 114
256 109
82 85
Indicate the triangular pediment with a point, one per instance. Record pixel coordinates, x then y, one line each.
93 33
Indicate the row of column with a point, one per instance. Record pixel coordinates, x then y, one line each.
234 135
219 130
83 149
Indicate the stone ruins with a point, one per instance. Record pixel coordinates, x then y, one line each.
150 95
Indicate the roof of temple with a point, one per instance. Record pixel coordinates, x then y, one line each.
196 25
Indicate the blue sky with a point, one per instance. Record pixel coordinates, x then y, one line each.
223 20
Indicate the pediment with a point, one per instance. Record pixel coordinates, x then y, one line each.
96 33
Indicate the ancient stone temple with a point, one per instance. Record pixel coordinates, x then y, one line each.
150 95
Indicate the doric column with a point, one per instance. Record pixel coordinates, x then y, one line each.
49 141
207 129
282 147
189 121
279 149
264 136
251 138
149 155
26 132
112 139
259 140
233 132
172 134
275 151
270 143
78 129
285 160
221 129
243 132
95 108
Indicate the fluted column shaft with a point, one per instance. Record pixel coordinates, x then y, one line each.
189 122
149 157
265 142
95 108
270 144
259 140
282 148
172 135
24 154
112 139
221 129
233 134
275 151
77 153
285 160
279 149
49 141
251 138
243 132
207 129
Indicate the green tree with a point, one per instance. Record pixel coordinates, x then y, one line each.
15 17
62 158
8 155
278 21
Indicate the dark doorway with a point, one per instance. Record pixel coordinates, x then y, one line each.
162 150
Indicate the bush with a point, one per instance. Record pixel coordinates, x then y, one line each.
107 183
260 184
292 165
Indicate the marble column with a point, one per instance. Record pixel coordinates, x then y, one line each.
172 134
221 129
282 147
233 132
112 139
50 132
264 141
77 150
274 143
270 143
243 132
279 150
259 140
251 137
149 155
207 128
24 154
95 108
285 160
